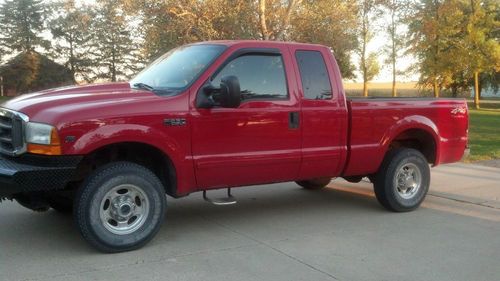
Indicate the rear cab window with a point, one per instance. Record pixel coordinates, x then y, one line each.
314 75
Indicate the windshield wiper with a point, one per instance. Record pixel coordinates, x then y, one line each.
144 87
158 91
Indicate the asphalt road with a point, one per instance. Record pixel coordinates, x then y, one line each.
281 232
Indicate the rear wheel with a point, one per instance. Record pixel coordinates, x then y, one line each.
403 180
314 184
120 207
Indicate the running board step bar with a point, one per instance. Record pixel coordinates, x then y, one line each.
229 200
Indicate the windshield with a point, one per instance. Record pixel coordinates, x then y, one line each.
177 69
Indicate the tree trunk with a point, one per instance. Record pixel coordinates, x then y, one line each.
393 35
113 66
262 20
291 5
72 59
363 57
454 91
436 88
437 51
394 92
476 89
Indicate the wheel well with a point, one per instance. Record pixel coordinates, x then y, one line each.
143 154
417 139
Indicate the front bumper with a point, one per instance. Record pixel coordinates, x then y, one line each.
29 173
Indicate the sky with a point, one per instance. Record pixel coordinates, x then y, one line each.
375 45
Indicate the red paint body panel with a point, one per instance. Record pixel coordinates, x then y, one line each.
376 122
252 144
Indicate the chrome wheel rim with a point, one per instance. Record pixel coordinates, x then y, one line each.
124 209
408 180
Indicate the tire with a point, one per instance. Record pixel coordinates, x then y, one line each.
314 184
402 180
120 207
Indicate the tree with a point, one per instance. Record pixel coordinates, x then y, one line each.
31 71
482 47
396 44
167 24
372 66
22 23
333 23
274 18
435 34
490 80
115 53
2 52
368 11
70 29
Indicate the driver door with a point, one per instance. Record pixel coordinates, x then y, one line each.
258 142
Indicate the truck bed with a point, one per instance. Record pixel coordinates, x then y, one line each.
376 122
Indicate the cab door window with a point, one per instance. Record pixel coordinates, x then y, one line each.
260 76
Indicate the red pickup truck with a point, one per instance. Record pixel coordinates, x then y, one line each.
215 115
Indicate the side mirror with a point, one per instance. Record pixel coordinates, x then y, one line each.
227 95
230 93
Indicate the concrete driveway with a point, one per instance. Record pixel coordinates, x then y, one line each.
281 232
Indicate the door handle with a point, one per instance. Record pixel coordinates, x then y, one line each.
293 120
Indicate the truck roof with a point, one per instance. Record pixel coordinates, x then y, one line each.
263 43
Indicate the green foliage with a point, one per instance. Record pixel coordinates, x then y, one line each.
70 29
111 39
369 11
114 51
166 24
394 48
372 66
452 39
30 71
21 23
331 23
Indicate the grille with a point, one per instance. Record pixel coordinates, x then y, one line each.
12 132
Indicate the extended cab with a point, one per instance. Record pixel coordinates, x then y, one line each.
216 115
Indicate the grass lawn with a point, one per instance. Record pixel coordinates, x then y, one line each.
485 104
484 134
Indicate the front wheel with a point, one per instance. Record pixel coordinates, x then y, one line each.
120 207
403 180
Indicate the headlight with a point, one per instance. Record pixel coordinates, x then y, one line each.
39 133
42 139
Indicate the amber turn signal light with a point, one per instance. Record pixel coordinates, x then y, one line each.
54 148
44 149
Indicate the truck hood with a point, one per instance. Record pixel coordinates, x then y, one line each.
46 105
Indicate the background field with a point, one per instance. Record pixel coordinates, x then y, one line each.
410 89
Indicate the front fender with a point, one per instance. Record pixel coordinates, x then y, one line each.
118 133
97 136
